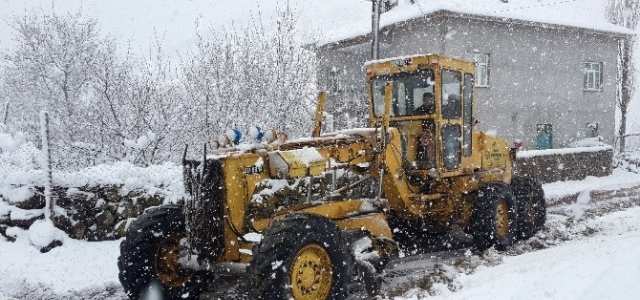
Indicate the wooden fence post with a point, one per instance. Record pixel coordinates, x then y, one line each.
46 151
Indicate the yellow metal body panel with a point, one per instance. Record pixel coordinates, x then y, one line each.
375 224
238 186
298 167
331 210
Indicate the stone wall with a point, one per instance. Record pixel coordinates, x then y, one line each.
88 213
565 164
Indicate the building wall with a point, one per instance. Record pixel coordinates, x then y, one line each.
346 99
536 74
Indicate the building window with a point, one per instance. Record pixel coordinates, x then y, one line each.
482 68
335 84
593 76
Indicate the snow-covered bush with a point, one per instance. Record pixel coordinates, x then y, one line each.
20 167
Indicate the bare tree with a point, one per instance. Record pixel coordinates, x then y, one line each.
107 107
51 70
624 13
104 107
252 76
141 114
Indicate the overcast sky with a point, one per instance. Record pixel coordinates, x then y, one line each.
173 22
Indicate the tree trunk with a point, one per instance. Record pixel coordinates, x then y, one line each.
625 86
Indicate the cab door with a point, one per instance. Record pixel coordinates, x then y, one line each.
451 125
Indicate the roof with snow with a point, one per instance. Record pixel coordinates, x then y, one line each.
564 14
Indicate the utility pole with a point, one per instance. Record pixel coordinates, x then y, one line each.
375 28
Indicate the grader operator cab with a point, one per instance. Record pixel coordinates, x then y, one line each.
311 218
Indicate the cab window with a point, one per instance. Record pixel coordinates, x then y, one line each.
451 91
467 118
408 89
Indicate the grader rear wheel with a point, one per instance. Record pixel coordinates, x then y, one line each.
301 257
493 217
502 220
532 212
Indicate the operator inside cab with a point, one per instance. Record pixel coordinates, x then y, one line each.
425 151
428 105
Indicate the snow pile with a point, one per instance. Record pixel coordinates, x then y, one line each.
592 256
74 271
605 267
142 142
445 276
588 142
10 143
307 156
583 200
164 179
564 151
43 233
269 187
629 161
619 179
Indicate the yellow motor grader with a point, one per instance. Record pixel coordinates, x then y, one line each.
305 218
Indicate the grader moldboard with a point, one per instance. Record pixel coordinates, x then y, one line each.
311 218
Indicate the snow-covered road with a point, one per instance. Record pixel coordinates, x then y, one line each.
602 266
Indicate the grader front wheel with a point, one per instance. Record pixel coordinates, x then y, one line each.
166 263
493 217
301 257
311 273
149 255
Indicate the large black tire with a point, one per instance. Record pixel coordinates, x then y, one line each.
532 211
494 217
143 261
289 245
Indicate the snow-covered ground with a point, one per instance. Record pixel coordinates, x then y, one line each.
600 260
589 250
620 179
604 266
76 270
